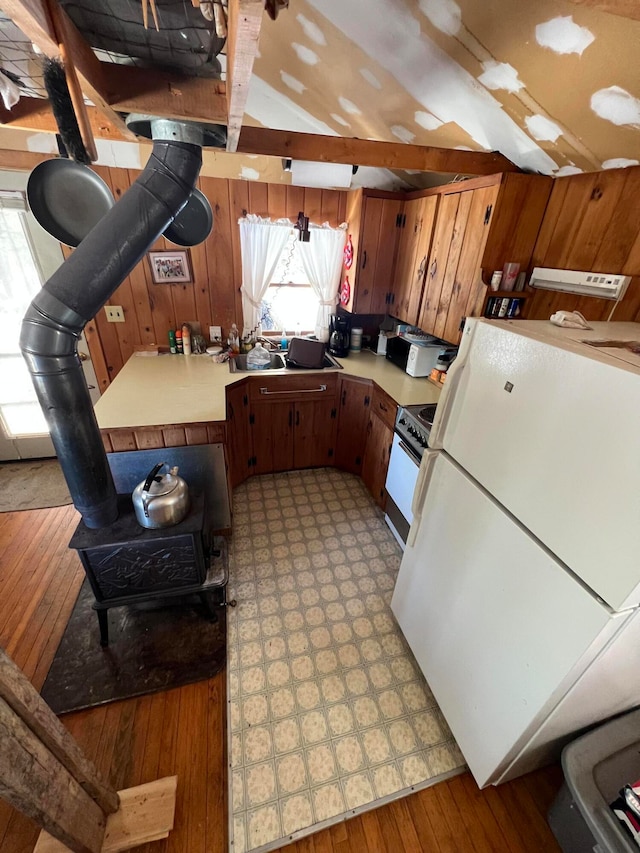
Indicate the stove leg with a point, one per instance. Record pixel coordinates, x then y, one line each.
103 620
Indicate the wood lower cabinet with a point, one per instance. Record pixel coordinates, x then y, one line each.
272 432
353 417
239 450
293 422
314 436
376 458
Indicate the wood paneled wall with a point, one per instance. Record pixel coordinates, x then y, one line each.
214 296
592 222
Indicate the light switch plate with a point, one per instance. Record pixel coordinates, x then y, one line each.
215 333
114 313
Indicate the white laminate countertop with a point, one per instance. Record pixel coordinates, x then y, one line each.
176 389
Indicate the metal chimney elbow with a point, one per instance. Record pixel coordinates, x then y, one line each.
73 295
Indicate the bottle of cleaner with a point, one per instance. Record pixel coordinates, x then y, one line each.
283 341
186 339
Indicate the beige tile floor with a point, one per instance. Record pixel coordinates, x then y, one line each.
328 711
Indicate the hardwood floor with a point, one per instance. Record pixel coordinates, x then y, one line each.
183 731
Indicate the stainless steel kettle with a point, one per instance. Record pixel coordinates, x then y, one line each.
162 499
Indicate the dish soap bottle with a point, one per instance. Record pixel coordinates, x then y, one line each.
234 339
283 341
258 358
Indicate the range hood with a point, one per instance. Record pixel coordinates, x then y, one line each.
600 284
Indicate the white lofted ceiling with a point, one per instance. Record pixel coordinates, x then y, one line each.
551 84
554 86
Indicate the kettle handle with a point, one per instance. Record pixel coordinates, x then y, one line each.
152 476
147 486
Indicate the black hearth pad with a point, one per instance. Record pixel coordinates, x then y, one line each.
152 647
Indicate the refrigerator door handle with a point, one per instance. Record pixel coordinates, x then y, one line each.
436 435
420 492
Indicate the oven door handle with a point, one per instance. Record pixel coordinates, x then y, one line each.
417 504
408 450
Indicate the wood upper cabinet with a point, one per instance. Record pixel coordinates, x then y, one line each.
293 422
354 398
238 433
480 225
454 279
376 458
416 234
374 221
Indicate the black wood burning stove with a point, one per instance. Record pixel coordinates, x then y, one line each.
127 563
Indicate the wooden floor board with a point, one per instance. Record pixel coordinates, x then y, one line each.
183 731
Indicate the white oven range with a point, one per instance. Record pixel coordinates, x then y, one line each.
411 436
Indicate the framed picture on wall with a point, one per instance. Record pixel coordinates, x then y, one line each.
170 267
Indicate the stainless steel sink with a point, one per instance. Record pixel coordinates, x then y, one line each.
239 363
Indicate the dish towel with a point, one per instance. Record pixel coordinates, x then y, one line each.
9 91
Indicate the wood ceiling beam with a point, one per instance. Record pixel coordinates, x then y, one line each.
363 152
622 8
34 19
245 21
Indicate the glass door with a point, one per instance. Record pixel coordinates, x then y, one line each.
29 257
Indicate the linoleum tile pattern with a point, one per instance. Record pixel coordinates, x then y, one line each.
328 711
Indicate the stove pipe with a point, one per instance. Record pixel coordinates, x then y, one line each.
73 295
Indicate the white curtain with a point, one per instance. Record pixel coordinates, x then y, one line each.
261 244
322 259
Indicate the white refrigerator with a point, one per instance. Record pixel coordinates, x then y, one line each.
519 590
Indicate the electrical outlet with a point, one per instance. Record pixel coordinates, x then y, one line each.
114 313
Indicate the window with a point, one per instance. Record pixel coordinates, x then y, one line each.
289 302
20 280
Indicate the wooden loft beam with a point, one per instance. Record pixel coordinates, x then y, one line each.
245 21
622 8
192 98
141 90
35 114
363 152
116 88
33 18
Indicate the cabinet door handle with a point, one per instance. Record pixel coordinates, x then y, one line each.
364 259
297 417
383 407
344 396
268 393
487 214
434 268
422 267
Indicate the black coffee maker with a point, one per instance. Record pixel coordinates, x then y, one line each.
339 330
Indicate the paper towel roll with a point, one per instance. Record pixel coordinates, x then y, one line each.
309 174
